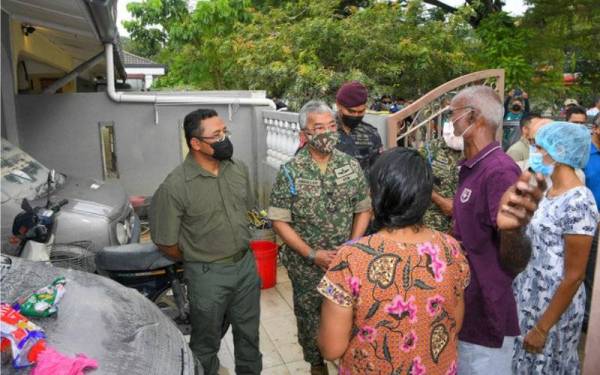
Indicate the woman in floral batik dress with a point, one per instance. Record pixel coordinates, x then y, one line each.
394 300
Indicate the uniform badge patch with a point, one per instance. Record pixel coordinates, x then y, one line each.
343 171
466 195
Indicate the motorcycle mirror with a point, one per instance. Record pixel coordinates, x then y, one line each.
51 177
26 206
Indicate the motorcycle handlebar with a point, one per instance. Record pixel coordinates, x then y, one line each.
60 204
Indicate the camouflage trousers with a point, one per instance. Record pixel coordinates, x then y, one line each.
307 302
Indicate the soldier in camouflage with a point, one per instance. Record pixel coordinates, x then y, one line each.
443 155
357 138
320 200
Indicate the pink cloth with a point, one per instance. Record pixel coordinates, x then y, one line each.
51 362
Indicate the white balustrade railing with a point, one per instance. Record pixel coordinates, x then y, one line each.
283 136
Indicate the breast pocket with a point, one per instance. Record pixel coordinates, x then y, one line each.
344 194
236 183
308 201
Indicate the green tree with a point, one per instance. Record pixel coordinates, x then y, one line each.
194 44
306 48
564 36
306 51
151 24
504 45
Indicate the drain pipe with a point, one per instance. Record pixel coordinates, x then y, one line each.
124 97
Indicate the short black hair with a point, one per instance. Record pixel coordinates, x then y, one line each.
192 123
401 184
525 120
576 109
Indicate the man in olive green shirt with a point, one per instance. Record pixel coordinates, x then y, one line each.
520 150
319 201
198 215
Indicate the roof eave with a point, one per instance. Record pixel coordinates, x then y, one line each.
103 14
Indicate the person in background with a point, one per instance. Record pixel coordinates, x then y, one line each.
570 102
386 102
592 181
319 201
516 105
356 138
520 150
595 109
397 105
394 300
198 215
534 127
443 155
576 114
486 173
549 292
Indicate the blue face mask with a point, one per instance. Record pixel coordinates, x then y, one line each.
536 162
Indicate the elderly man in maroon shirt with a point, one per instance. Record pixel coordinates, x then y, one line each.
490 323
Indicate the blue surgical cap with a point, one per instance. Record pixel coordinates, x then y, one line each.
565 142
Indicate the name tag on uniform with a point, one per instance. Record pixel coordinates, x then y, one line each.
309 187
362 139
344 174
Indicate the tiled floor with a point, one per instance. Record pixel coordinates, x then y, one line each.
282 355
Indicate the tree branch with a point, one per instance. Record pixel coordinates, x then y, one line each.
443 6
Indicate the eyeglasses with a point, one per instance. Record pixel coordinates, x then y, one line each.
451 111
217 138
321 129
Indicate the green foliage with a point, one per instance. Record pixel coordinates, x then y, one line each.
305 49
308 51
152 22
564 37
504 45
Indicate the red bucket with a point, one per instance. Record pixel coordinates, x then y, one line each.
265 253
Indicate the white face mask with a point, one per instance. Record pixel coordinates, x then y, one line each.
453 141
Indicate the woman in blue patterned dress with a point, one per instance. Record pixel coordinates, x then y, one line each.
549 292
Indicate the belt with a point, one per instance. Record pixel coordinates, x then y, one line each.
232 259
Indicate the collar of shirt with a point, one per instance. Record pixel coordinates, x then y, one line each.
192 169
594 149
487 150
305 159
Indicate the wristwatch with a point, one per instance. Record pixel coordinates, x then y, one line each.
311 256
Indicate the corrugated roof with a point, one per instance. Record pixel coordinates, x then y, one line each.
131 60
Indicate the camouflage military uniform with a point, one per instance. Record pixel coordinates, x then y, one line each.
363 142
320 208
444 162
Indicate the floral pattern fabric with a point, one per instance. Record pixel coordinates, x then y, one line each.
404 299
573 212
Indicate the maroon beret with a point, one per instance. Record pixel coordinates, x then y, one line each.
352 94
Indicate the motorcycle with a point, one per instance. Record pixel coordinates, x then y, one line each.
34 229
144 268
139 266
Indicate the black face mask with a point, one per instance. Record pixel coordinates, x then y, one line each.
516 107
223 149
351 121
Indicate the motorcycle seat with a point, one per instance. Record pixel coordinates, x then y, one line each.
132 257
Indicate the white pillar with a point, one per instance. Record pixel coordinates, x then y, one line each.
147 81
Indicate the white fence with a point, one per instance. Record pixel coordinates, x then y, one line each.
283 136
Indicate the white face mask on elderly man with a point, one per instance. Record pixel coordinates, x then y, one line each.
455 142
